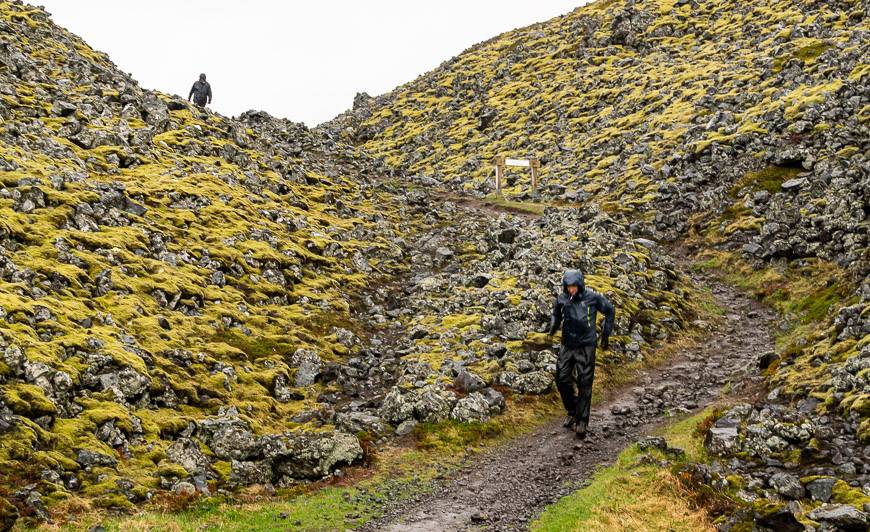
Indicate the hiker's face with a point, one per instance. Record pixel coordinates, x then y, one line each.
572 289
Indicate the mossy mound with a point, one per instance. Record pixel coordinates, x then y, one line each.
159 262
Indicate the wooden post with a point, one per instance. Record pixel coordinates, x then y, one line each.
534 164
499 171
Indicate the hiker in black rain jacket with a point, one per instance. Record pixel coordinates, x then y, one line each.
200 92
575 311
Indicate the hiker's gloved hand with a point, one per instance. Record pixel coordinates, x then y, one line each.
605 341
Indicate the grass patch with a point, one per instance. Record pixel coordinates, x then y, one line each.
254 347
769 179
816 305
334 508
453 435
631 495
805 291
527 207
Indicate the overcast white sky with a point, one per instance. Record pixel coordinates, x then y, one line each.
300 60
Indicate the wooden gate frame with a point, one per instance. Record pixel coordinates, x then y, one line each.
501 162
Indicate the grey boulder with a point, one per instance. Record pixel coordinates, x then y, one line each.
842 516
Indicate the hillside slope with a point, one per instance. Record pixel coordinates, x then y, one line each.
661 109
739 129
159 265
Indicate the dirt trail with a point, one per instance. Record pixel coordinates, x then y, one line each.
507 487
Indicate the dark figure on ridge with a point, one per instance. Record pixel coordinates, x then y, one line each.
201 92
575 311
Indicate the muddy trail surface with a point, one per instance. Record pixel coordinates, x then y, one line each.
507 487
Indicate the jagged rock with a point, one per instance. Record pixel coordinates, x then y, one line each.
186 453
311 455
15 359
155 111
354 422
652 442
842 516
418 332
752 248
723 436
793 184
247 473
345 337
787 485
533 382
721 440
184 488
87 458
62 108
821 489
780 519
396 407
282 391
308 367
229 437
480 280
126 384
33 503
467 381
103 282
495 400
507 236
765 360
433 404
406 427
6 419
29 200
111 435
473 407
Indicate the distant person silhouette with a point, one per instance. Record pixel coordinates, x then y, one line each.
201 92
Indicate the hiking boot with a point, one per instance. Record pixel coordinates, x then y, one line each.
580 429
569 422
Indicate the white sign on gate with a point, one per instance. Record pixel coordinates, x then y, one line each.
501 162
517 162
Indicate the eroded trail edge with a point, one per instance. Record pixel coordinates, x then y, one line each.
506 487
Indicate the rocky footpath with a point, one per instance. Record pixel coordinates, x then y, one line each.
507 487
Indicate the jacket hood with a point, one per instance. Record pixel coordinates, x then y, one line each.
573 277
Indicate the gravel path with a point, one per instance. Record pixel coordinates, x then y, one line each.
505 488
